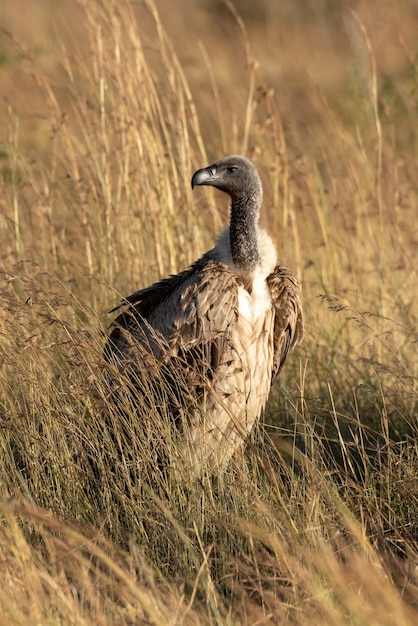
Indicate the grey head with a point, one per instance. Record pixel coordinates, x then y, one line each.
238 177
235 175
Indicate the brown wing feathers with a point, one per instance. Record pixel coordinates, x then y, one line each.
288 324
193 311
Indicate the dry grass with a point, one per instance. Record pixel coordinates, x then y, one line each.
103 125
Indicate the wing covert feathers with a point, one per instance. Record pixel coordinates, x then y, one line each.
193 313
288 324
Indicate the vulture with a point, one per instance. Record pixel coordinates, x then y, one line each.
209 342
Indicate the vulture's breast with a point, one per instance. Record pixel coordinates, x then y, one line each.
254 336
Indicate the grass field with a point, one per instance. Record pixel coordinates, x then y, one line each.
106 109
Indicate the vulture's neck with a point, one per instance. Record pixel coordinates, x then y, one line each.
245 212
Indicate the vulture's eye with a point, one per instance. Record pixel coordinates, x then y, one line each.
231 169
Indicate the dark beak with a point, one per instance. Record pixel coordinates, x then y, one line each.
204 176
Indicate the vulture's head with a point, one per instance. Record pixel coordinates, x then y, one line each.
235 175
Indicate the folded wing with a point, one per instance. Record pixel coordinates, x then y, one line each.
288 323
186 319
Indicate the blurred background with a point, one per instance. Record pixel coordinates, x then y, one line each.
300 46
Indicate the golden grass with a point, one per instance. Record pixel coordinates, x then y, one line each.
317 523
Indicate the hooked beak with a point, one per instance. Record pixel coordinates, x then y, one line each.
204 176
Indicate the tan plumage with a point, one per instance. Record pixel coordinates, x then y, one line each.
219 332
